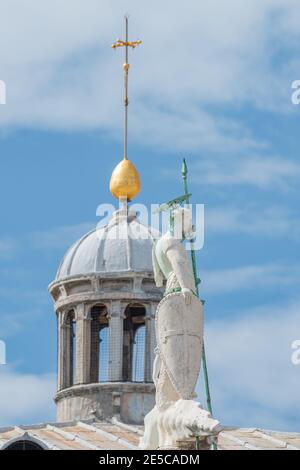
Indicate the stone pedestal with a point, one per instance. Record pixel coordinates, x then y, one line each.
201 443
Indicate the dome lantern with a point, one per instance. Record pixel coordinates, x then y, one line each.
105 300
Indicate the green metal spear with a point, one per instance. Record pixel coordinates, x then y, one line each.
184 172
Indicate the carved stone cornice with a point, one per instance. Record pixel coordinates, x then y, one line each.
85 389
104 276
92 298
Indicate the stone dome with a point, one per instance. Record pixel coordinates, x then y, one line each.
123 245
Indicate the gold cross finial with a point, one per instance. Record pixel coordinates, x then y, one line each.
121 43
126 44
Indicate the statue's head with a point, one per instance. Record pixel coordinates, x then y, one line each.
182 224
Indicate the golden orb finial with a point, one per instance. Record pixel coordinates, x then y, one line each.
125 180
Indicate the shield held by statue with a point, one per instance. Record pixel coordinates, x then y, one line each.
179 331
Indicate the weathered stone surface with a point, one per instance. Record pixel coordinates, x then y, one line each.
176 417
130 401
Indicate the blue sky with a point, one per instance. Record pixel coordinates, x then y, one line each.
211 83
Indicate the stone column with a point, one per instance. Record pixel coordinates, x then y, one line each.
60 351
69 349
83 344
65 351
150 341
95 347
115 363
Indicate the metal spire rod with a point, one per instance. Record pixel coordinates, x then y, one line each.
184 172
126 44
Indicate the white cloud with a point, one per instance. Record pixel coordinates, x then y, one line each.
26 398
269 221
61 73
221 281
54 238
196 70
253 380
59 237
265 172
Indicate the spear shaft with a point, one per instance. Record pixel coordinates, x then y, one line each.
184 172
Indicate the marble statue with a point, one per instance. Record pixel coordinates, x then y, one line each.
179 332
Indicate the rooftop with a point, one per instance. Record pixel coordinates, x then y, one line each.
114 435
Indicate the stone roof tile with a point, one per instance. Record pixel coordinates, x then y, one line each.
97 435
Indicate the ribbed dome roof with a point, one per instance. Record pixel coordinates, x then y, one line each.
123 245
